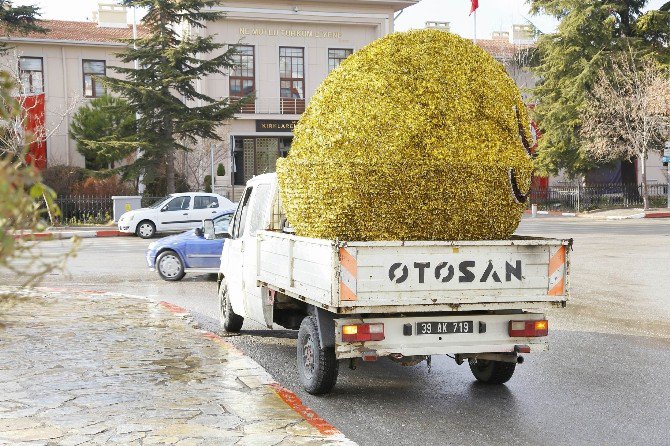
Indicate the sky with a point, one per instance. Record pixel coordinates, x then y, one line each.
492 15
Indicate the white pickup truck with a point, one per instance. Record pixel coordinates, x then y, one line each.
480 301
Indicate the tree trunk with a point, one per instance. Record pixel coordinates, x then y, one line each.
643 168
169 171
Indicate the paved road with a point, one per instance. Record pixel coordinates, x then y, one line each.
604 381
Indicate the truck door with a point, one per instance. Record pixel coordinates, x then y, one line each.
259 217
233 258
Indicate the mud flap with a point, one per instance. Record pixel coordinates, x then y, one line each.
326 325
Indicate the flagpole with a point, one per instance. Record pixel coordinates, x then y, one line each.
475 39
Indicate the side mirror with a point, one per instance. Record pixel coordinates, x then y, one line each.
164 208
208 229
199 232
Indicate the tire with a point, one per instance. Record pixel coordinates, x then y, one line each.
169 266
231 322
317 366
145 229
492 372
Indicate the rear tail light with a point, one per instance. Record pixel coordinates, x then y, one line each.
528 329
362 332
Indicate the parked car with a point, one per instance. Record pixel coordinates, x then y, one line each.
176 212
174 256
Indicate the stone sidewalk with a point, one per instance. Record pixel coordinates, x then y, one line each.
102 369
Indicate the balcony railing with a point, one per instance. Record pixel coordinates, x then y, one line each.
274 106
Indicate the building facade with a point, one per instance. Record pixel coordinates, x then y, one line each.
285 51
58 69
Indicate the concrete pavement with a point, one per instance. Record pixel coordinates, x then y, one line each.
98 368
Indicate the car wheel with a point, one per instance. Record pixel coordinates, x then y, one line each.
317 366
145 229
492 372
230 321
169 266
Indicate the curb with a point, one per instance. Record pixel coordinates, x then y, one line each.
552 213
56 235
640 215
657 215
288 397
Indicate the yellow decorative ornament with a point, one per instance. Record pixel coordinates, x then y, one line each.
418 136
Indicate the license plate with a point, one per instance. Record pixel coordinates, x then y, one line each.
444 327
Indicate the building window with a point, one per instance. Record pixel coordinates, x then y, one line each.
242 76
93 69
336 56
31 72
256 156
292 80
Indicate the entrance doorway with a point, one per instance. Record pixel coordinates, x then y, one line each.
257 155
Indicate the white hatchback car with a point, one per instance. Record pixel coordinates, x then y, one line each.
176 212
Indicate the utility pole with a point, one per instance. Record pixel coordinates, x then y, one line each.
211 154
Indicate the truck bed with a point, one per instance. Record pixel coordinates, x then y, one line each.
418 276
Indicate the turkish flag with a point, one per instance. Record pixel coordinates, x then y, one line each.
475 5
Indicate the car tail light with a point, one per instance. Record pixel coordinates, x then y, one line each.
528 329
362 332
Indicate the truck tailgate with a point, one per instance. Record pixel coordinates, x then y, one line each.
347 277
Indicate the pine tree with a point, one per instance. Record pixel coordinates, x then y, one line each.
172 58
104 131
590 34
19 19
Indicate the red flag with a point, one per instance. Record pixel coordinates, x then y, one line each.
475 5
33 107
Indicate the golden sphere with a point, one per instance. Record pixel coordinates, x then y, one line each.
420 135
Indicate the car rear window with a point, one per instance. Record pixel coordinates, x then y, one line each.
204 202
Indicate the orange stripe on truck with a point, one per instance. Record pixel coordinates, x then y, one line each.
348 262
557 260
346 293
557 289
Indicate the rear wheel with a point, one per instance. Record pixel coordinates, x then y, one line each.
492 372
169 266
230 321
145 229
317 366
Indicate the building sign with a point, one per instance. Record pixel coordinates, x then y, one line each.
300 33
275 125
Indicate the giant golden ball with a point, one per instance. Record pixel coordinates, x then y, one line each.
419 135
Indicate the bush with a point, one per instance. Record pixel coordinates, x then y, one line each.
220 170
208 183
63 179
103 187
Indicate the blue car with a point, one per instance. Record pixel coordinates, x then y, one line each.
172 257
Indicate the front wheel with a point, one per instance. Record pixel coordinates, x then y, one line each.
230 321
145 229
492 372
169 266
317 366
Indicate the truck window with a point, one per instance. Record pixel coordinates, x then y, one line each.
259 208
241 214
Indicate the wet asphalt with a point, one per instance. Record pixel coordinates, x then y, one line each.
605 379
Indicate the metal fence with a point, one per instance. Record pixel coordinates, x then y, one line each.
597 196
78 209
